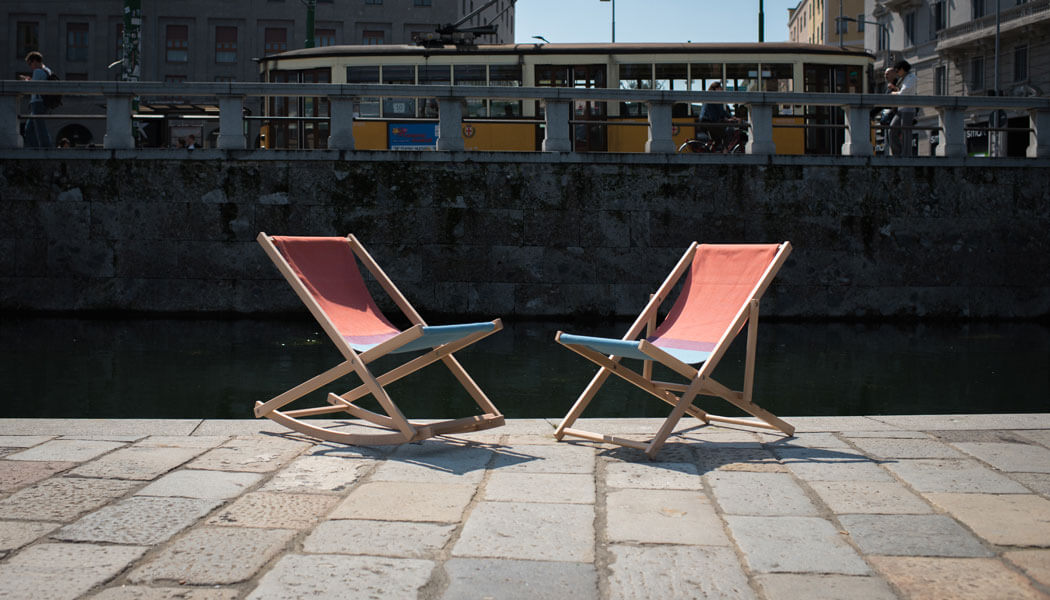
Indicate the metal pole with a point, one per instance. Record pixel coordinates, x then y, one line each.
761 22
614 21
993 147
839 23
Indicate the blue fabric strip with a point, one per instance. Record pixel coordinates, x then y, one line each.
629 348
439 335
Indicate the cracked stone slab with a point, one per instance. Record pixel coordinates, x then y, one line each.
438 502
435 461
663 517
1014 458
755 459
819 464
790 586
15 534
912 535
558 532
273 510
318 474
948 475
296 576
794 545
676 573
63 498
192 483
559 488
261 454
23 441
66 450
906 448
16 474
874 497
741 493
138 592
137 463
378 538
654 475
214 556
955 578
139 520
549 458
1035 563
519 579
63 571
1006 520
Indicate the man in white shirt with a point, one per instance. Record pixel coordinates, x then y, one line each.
900 127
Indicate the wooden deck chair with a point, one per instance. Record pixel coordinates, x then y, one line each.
324 273
722 286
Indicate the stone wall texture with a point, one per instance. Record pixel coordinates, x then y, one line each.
498 237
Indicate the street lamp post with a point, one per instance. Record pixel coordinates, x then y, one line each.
613 19
884 34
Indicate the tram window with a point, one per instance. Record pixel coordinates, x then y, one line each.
635 77
366 107
399 75
552 76
505 76
779 78
432 75
472 75
702 75
671 77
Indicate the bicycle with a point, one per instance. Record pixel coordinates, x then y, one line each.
735 140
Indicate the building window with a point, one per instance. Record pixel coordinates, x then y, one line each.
938 15
225 44
940 81
977 73
1021 63
276 40
77 42
225 78
421 2
28 38
909 28
174 79
177 41
860 23
372 38
979 9
324 37
377 2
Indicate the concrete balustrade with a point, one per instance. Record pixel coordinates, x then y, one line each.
557 103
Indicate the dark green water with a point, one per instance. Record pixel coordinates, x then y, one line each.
58 367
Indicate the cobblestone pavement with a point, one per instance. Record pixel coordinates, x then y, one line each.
953 506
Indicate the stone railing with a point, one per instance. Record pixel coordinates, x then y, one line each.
558 104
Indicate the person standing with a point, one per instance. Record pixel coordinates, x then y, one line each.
900 127
36 135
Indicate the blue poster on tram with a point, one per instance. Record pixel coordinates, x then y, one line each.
413 136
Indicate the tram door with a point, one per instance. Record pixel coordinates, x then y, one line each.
585 137
823 132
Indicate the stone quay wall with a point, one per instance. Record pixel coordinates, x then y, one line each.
522 235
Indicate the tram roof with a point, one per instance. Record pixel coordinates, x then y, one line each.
562 49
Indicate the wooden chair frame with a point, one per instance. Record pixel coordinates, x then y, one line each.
356 362
700 382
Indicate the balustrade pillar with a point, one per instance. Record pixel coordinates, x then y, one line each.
761 139
1039 137
556 138
118 123
659 128
952 135
231 123
858 131
450 124
9 135
341 127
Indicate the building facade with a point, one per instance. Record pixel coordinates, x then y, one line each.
213 40
818 22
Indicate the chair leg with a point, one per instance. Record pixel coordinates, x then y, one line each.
684 402
581 403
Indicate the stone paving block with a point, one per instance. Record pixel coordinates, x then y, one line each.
334 577
769 494
948 475
897 448
182 441
1039 436
138 427
831 465
1037 482
15 534
559 488
1006 520
971 421
137 463
378 538
1016 458
672 452
62 498
756 459
811 424
319 474
124 439
192 483
15 474
438 502
955 578
63 571
214 556
66 450
549 458
903 434
22 441
543 439
654 475
663 517
435 461
140 520
260 454
874 497
621 427
803 439
1035 563
789 586
140 592
558 532
676 572
912 535
519 579
724 436
953 436
794 545
269 509
231 427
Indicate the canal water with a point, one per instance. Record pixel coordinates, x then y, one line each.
218 369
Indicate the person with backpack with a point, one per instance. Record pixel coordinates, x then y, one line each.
36 135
